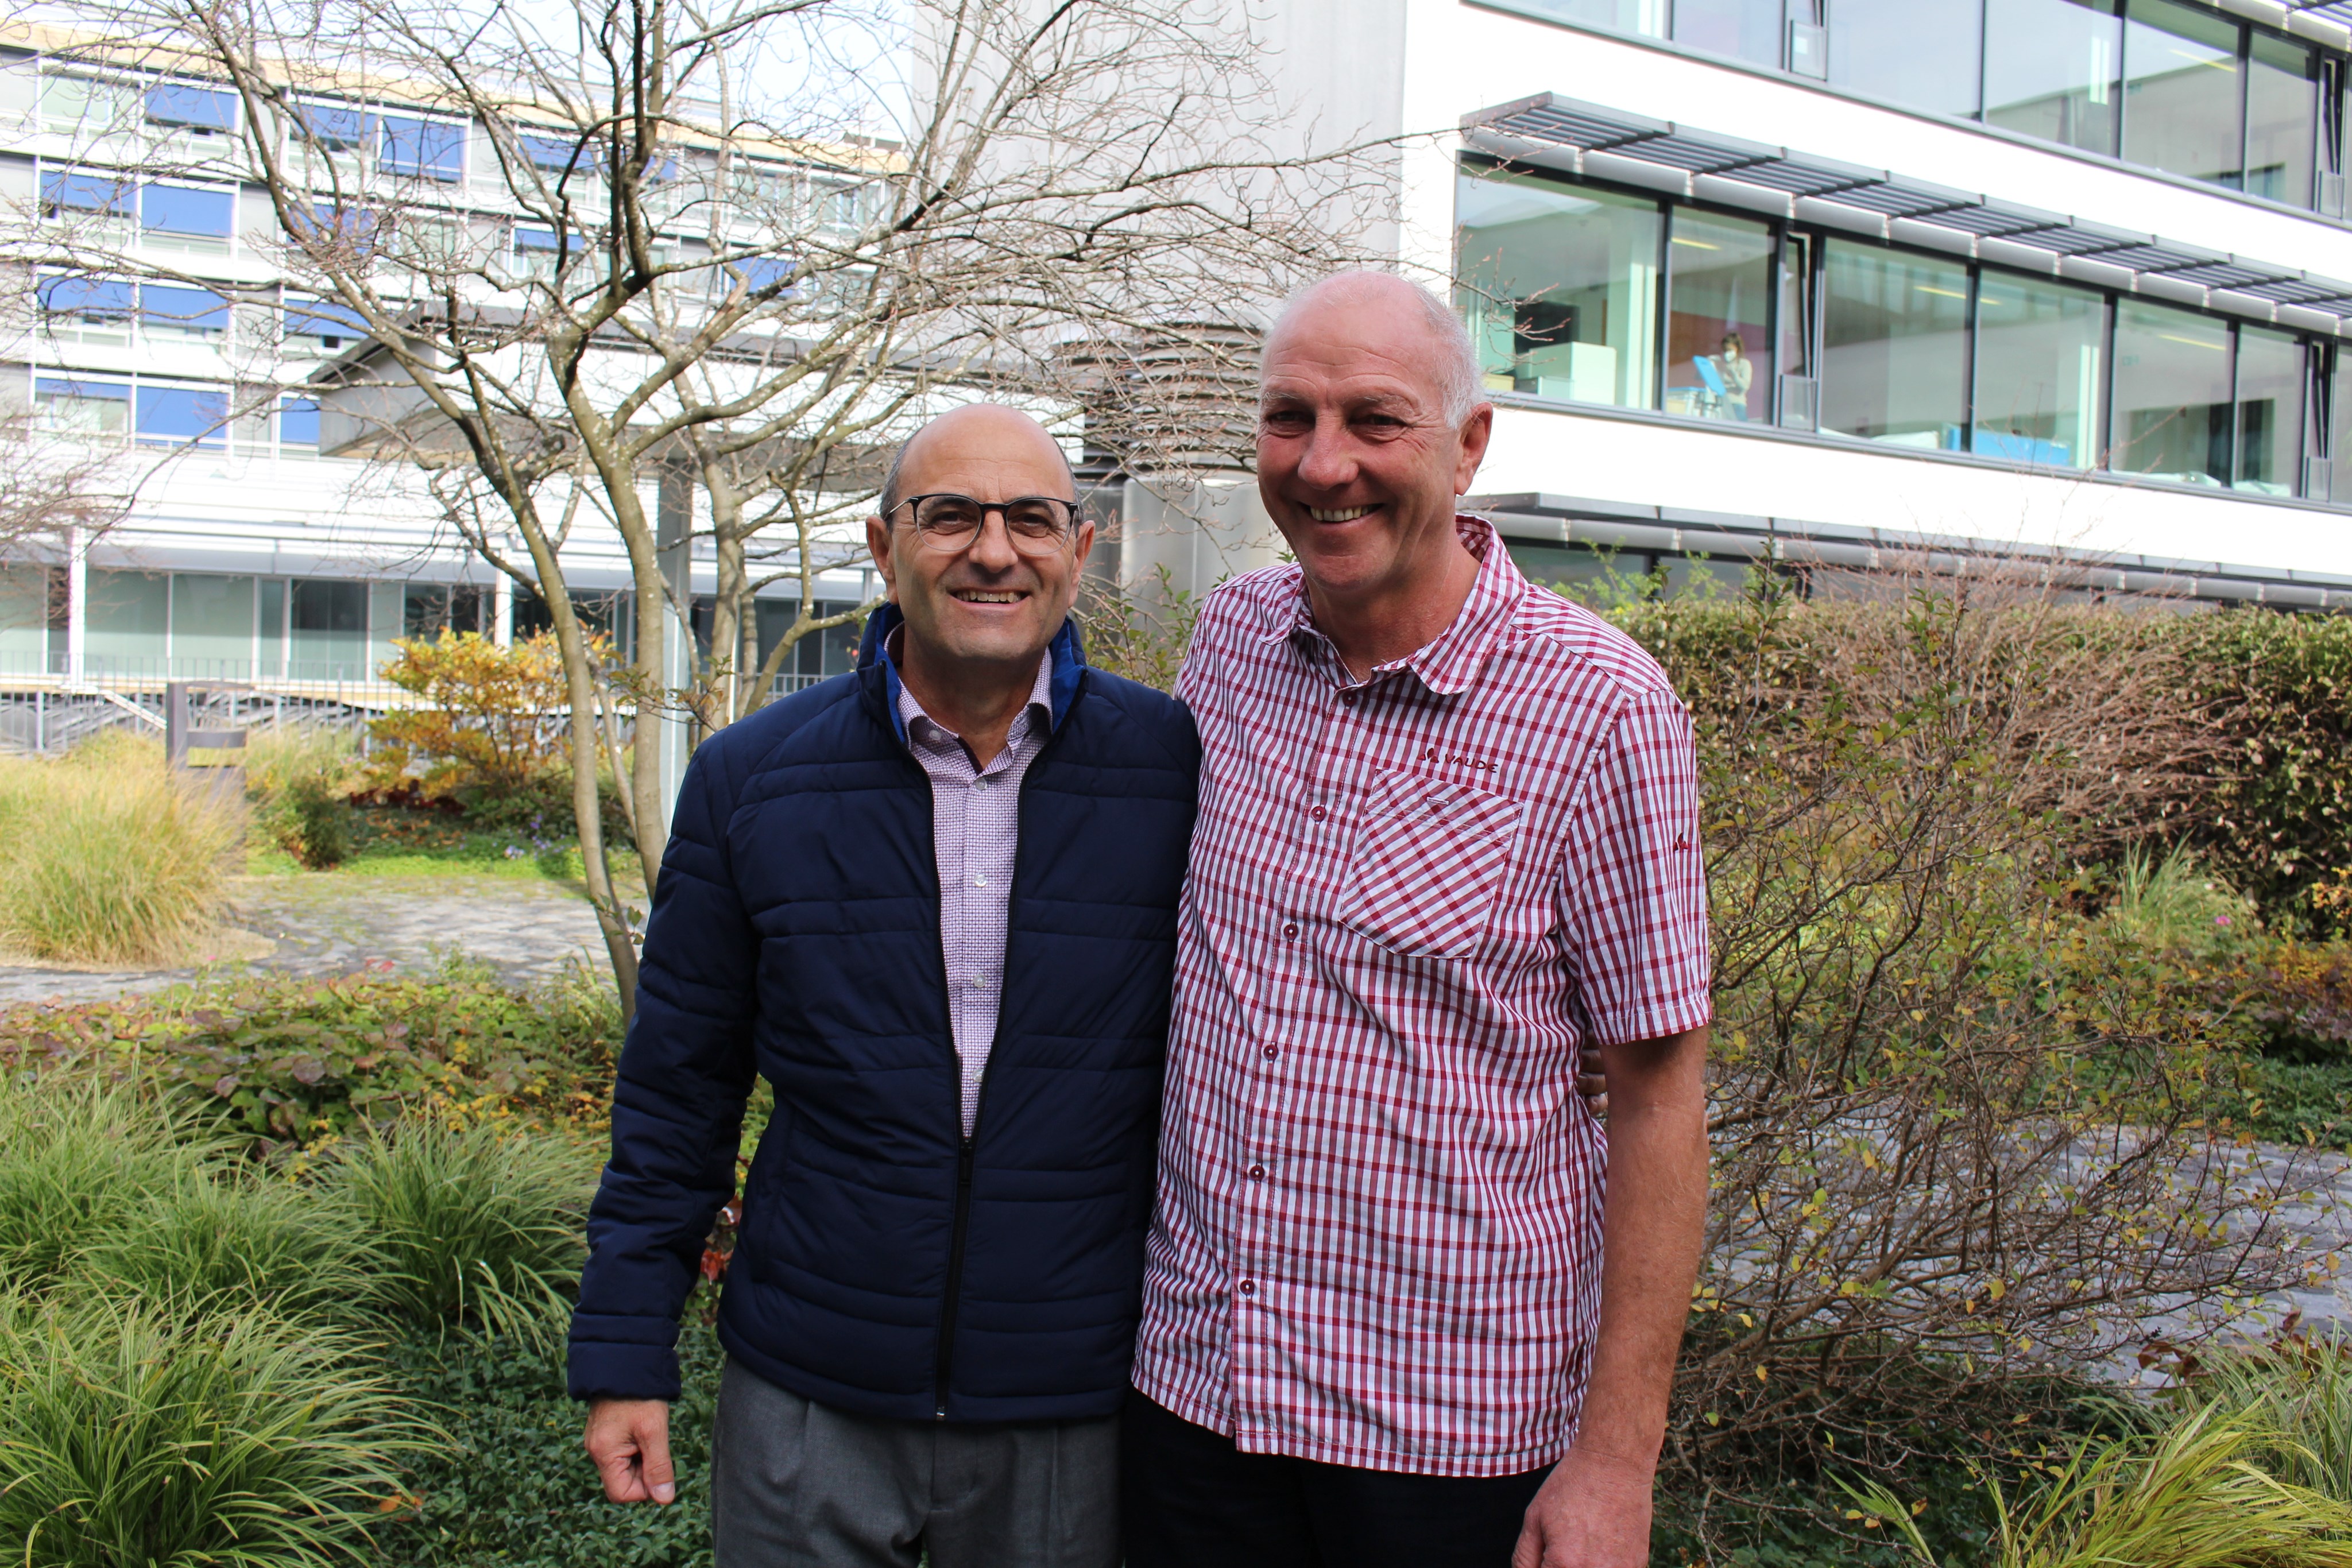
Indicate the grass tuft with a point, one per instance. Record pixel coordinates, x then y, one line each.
105 858
231 1242
138 1434
477 1227
78 1155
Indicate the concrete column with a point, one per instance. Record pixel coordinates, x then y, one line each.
503 609
674 636
76 604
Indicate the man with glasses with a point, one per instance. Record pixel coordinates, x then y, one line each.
933 903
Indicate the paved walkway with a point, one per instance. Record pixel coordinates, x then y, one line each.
525 930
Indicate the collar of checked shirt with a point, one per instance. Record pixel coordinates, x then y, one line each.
1448 662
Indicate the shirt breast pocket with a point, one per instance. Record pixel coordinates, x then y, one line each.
1428 865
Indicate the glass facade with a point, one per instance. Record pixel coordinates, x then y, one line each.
2039 363
1781 324
2172 395
1894 346
2174 85
1560 288
1719 318
1911 52
2182 91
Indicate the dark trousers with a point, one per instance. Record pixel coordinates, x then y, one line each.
1189 1497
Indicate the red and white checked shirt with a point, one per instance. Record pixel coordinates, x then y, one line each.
1378 1240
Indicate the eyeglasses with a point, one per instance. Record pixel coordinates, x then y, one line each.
1037 525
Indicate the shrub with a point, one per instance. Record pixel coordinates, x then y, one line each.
2299 1387
279 1062
136 1434
77 1157
231 1242
301 779
105 858
2187 1497
477 1227
482 731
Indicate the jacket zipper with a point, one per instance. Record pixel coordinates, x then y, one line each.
944 1364
955 1269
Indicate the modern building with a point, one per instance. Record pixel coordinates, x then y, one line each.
1836 278
1805 280
247 554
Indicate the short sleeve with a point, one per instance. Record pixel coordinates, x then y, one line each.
1633 896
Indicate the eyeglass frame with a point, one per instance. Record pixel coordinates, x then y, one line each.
1069 527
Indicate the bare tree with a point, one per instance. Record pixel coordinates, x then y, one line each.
654 285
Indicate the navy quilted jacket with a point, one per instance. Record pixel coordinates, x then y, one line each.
885 1264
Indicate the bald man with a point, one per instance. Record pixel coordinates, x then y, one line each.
933 903
1410 1301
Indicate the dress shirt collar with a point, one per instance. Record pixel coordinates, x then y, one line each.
1448 663
1037 713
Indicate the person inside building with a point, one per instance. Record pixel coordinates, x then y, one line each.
933 903
1393 1313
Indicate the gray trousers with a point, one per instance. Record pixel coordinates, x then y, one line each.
796 1485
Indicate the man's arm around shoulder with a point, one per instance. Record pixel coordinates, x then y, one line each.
1595 1509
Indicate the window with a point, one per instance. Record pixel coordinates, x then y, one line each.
298 423
2039 365
87 309
436 610
186 218
273 627
2172 395
759 272
322 327
181 416
126 616
556 152
2269 446
329 621
1718 342
1894 346
2282 119
1744 29
1645 17
211 625
71 103
79 407
67 195
425 148
2051 69
1921 54
197 314
1561 288
337 127
186 107
2181 91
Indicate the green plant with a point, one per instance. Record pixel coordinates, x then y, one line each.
134 1434
2297 1386
2190 1496
301 780
231 1242
106 858
278 1061
477 1227
79 1156
2177 908
513 1486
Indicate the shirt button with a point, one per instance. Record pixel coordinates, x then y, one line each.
1257 1173
978 984
1349 698
980 783
980 881
1249 1287
1318 813
1290 928
1272 1051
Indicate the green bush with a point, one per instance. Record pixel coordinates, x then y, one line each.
138 1434
281 1060
514 1485
106 858
300 781
234 1241
79 1156
475 1226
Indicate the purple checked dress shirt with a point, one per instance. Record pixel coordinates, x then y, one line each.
974 823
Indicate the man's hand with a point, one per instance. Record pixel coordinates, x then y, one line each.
1593 1512
629 1440
1591 1078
